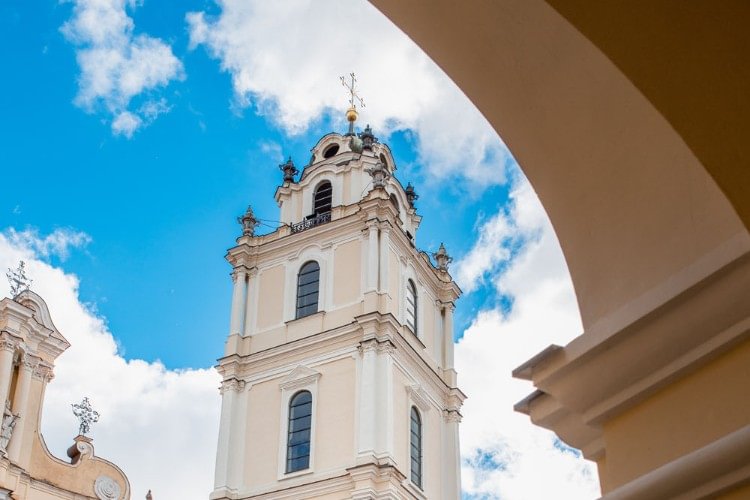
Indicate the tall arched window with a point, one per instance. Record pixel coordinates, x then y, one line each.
322 198
298 435
308 282
416 447
411 306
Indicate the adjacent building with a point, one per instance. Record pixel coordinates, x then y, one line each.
29 345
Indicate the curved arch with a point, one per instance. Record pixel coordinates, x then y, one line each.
308 289
561 96
322 198
415 448
411 307
299 432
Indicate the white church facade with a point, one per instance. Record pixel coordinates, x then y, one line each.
338 376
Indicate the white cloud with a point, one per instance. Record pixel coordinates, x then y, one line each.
58 243
116 64
505 455
126 123
152 418
285 57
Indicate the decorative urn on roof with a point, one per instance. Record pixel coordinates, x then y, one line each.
289 170
442 258
248 222
411 194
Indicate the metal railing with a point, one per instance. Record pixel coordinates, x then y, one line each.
311 221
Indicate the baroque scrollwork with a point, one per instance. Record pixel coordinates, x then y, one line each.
106 488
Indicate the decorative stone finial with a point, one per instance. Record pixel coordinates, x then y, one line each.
86 414
148 495
368 139
411 194
289 170
248 222
379 175
442 258
18 280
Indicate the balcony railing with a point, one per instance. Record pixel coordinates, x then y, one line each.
311 221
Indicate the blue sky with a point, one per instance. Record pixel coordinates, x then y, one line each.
160 206
133 133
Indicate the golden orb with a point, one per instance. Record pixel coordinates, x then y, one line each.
351 114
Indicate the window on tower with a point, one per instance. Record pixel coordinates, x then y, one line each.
298 435
411 306
322 198
416 447
308 284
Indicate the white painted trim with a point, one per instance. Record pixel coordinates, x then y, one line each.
300 379
323 256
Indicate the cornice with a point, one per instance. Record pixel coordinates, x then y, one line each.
622 369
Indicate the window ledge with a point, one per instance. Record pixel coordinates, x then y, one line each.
415 490
415 336
292 475
319 313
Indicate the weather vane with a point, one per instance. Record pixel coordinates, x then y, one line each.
86 414
352 91
18 280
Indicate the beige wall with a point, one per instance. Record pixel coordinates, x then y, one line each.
347 262
263 428
271 297
334 440
685 416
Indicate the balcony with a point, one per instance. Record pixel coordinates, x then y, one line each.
310 222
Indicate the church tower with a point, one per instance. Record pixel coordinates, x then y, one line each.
338 378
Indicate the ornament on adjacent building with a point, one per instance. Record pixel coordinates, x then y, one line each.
379 175
18 280
442 258
248 222
148 496
86 414
6 431
411 194
368 138
106 488
289 170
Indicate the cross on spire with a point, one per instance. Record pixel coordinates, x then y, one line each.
18 280
352 91
86 415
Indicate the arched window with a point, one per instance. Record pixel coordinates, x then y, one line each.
308 283
411 306
322 198
298 435
416 447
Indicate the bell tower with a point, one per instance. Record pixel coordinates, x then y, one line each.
338 378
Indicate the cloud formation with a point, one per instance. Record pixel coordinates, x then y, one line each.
159 425
503 454
58 243
285 59
117 64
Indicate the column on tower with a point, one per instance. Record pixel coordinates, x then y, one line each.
375 438
20 404
7 349
229 390
239 277
385 231
372 256
251 302
451 486
448 369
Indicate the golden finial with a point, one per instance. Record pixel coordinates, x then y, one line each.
351 113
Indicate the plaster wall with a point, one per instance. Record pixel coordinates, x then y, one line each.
270 297
347 276
333 425
263 428
682 417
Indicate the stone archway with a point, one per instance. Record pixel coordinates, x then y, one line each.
630 121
